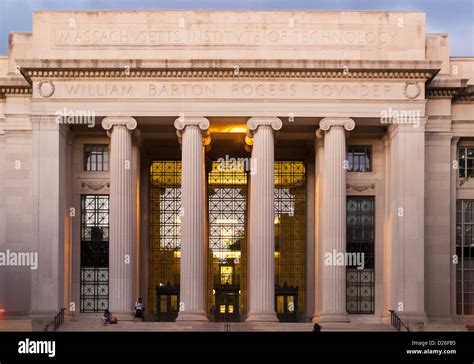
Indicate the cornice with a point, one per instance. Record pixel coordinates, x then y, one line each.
15 90
181 73
441 93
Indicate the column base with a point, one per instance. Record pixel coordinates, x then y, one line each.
261 317
316 318
192 316
334 317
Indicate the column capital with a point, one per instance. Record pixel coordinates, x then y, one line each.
110 121
346 123
253 123
201 122
182 122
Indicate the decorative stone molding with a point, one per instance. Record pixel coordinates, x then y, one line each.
46 88
111 121
360 186
94 185
464 98
411 90
15 90
327 123
230 73
441 93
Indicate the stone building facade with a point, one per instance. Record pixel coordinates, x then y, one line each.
237 165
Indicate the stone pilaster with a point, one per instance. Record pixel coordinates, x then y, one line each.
121 245
407 212
334 218
193 221
262 230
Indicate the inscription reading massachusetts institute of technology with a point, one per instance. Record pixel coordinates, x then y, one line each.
172 36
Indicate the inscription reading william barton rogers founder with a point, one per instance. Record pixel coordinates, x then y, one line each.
230 89
225 37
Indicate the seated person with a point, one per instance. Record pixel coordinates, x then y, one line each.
108 318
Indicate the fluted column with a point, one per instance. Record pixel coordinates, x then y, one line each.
262 231
334 218
193 220
121 245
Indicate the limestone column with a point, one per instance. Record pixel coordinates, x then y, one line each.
121 245
334 218
193 220
261 217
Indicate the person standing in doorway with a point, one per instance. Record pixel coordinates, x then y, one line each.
139 308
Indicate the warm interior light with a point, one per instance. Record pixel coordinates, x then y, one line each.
228 129
177 254
238 129
226 255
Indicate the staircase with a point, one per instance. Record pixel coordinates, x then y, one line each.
93 323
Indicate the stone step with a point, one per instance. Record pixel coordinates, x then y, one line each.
436 327
16 325
218 327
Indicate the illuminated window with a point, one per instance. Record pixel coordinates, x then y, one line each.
226 274
164 252
227 209
222 308
290 303
174 303
290 236
280 304
163 303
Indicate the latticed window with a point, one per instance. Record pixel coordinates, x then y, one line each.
360 284
465 256
290 238
164 234
96 157
359 158
227 283
466 161
94 280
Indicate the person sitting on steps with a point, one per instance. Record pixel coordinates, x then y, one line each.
108 318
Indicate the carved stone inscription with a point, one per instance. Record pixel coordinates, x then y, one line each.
173 36
230 89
